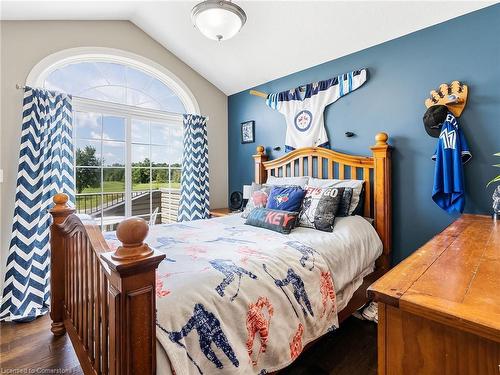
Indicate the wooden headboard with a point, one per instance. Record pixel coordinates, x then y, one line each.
375 170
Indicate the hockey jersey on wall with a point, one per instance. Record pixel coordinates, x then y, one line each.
303 111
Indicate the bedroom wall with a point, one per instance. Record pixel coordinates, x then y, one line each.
401 74
25 43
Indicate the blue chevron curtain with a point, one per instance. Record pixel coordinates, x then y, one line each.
45 168
194 203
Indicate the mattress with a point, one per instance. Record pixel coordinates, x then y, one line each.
259 296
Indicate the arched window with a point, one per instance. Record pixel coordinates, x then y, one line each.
127 117
114 83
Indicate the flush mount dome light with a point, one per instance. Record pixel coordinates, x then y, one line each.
218 19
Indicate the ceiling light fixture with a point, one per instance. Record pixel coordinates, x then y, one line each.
218 19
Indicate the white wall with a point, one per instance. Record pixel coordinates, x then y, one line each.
25 43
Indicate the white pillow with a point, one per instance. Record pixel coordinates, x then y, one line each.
356 185
283 181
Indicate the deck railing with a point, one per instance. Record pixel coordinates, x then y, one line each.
165 199
89 203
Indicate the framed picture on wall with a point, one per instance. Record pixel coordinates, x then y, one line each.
248 132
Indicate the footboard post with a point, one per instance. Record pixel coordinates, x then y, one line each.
132 301
59 213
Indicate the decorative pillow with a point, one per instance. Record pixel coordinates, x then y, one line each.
286 198
356 207
287 181
345 203
320 207
276 220
259 197
359 209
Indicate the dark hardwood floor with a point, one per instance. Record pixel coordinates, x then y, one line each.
351 350
32 346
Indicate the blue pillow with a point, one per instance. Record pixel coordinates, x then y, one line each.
286 198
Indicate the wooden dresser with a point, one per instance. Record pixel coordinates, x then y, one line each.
439 309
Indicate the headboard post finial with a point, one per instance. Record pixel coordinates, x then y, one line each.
383 195
381 139
260 171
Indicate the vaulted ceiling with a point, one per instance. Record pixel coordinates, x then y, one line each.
280 37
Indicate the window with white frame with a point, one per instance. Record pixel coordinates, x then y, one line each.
127 128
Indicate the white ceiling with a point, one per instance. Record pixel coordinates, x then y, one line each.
280 37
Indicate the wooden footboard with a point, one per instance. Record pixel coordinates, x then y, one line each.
104 299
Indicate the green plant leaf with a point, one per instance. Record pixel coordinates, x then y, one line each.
496 179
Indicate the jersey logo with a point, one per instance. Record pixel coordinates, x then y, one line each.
303 120
449 138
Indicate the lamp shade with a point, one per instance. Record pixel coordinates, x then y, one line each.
218 19
247 191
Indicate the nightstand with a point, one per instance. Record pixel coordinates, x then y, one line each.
219 212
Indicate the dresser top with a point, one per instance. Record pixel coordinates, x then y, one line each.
454 278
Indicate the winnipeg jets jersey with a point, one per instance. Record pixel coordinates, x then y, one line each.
451 152
304 111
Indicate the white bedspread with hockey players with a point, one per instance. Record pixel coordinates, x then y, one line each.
235 299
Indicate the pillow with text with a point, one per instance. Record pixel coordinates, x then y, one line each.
275 220
320 207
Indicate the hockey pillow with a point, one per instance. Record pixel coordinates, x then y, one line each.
275 220
320 207
286 198
258 198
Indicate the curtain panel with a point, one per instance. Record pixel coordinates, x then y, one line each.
194 203
45 168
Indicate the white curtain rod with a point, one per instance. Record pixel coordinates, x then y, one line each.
19 87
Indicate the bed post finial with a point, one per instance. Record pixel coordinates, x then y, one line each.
381 139
383 195
260 171
60 211
60 200
132 232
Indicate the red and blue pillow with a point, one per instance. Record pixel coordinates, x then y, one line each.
286 198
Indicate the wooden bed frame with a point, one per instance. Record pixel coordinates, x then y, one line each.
106 300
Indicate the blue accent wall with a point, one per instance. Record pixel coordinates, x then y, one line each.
401 74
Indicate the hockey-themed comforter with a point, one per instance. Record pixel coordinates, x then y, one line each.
235 299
